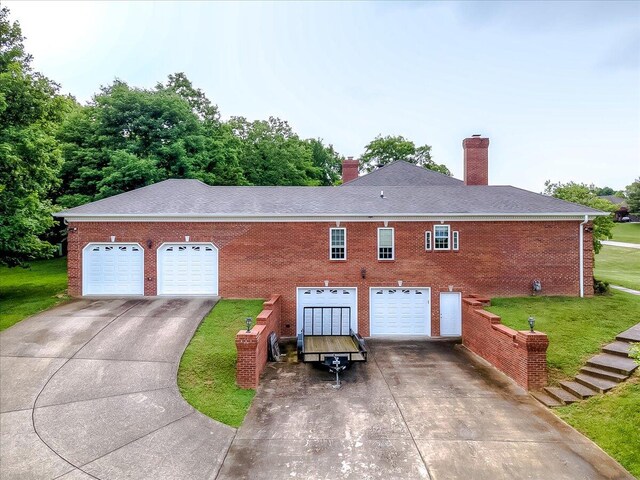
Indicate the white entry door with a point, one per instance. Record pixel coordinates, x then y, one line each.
188 269
400 311
327 311
113 269
450 314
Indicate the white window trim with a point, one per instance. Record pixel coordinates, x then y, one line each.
427 240
435 243
393 244
331 244
455 240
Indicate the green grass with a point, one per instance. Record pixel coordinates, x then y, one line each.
577 327
612 421
25 291
207 373
619 266
626 232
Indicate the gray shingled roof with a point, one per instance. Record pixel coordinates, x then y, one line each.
403 173
194 198
615 199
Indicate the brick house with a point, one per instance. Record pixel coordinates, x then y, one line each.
399 247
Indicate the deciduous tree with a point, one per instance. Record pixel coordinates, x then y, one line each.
584 195
633 196
31 110
384 150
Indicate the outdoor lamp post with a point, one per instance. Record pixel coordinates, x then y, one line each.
532 322
248 320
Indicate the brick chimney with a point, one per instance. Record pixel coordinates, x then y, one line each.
349 169
476 160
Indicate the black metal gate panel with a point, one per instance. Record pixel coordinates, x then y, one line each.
327 320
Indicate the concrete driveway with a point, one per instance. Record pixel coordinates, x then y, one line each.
88 390
416 409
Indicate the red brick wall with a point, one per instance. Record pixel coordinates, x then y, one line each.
256 259
253 347
521 355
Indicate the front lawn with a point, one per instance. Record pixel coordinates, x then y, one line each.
577 327
207 373
626 232
619 266
612 421
25 291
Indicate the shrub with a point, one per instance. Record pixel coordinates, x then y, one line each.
600 287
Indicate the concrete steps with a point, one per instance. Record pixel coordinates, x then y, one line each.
561 395
613 363
546 399
631 335
604 374
617 348
578 389
600 385
601 373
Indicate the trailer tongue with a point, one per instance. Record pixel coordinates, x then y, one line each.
327 338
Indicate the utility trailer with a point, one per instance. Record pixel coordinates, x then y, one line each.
327 338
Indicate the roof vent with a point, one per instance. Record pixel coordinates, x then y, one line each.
476 135
381 193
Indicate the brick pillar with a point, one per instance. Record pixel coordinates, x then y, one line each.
247 371
536 345
74 262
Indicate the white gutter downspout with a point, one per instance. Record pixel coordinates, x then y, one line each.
586 219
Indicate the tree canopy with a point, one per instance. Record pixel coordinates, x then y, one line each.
585 195
31 110
633 196
384 150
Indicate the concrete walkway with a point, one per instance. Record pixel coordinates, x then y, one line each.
418 409
620 244
88 390
625 289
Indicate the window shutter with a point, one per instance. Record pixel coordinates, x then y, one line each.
427 240
456 242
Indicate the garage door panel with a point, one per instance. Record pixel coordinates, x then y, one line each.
109 269
398 311
337 321
187 269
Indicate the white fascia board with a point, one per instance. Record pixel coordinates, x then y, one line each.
457 217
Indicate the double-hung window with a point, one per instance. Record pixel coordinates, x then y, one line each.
385 244
338 243
441 237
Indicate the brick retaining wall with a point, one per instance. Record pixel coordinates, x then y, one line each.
253 348
521 355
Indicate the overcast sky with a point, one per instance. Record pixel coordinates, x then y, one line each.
556 86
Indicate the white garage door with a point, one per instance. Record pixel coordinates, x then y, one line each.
112 269
400 311
188 269
327 311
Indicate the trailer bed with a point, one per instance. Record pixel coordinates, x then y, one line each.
317 346
327 334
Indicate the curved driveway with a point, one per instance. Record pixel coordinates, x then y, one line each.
88 390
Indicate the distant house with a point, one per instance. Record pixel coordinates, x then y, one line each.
396 249
623 208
